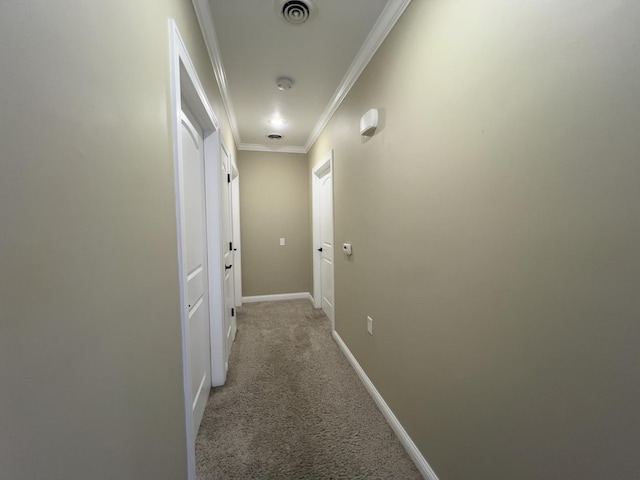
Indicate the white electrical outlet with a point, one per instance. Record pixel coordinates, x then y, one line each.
282 242
370 325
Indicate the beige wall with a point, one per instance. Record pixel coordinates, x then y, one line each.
90 351
494 222
274 203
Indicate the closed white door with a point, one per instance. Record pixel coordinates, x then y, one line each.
194 241
326 239
227 237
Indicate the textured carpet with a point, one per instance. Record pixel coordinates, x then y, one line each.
293 407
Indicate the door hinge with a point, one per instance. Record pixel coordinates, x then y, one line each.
228 178
233 312
230 245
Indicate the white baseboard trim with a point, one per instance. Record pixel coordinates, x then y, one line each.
280 296
403 436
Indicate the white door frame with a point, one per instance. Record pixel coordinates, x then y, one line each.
320 170
186 88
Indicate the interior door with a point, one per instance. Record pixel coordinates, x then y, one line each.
194 242
237 250
227 236
326 240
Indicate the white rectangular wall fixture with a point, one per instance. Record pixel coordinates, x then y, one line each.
369 123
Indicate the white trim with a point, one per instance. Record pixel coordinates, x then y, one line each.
203 13
379 32
324 167
421 463
280 296
256 147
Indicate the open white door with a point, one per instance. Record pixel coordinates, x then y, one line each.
196 155
195 270
323 241
237 245
228 257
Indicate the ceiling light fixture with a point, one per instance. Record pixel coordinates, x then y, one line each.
284 83
274 136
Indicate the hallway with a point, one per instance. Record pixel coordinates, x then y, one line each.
293 407
479 240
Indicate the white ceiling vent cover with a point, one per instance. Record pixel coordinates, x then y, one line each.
296 12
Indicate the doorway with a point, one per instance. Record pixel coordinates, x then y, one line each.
237 251
228 245
196 156
323 238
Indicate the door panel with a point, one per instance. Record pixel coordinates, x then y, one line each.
195 282
195 266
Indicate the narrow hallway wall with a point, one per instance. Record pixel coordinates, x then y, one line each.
274 204
494 223
90 337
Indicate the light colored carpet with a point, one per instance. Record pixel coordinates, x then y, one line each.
293 408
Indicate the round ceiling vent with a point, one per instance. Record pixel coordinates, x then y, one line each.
274 136
296 12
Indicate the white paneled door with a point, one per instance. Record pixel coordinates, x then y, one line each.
194 238
326 241
227 246
323 259
237 252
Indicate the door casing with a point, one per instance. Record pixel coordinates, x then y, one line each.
187 89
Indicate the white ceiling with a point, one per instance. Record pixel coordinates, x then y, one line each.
251 46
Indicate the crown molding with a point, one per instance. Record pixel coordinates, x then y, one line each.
379 32
256 147
203 13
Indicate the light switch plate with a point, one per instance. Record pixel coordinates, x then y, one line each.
282 242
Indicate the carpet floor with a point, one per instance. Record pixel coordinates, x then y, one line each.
293 408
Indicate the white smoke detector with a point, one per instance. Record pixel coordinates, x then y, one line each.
369 123
284 83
